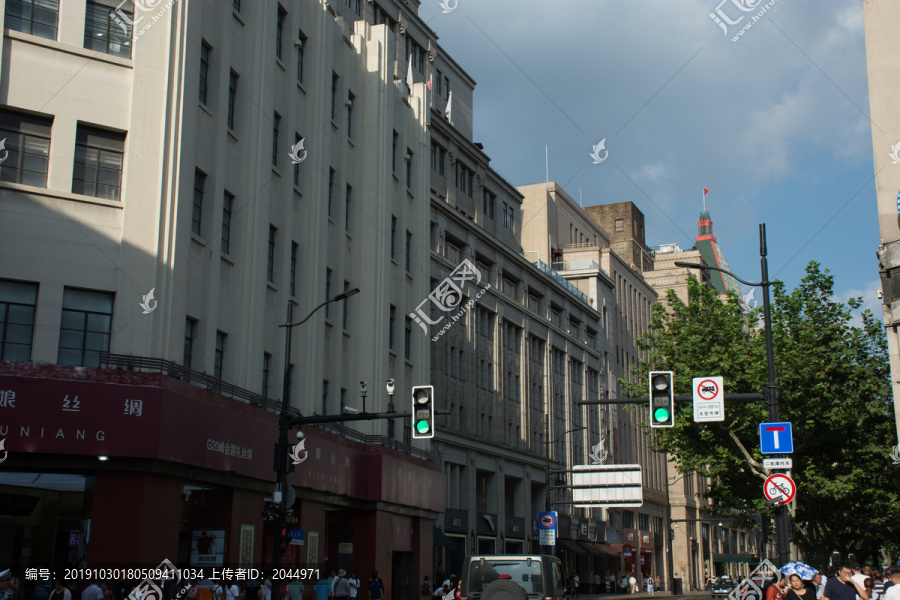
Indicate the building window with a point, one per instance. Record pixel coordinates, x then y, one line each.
220 354
334 91
267 359
99 155
407 340
276 125
344 316
347 209
270 263
86 326
297 140
409 162
327 290
227 205
295 249
37 17
325 397
107 28
350 99
437 158
17 305
232 97
392 321
279 30
437 82
330 189
464 177
28 144
488 201
393 238
396 139
236 4
447 88
301 39
620 225
205 49
189 326
197 216
408 251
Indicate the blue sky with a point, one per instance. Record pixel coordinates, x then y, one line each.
775 125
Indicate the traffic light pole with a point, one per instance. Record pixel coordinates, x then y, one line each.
782 522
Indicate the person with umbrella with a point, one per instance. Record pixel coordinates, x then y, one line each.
797 590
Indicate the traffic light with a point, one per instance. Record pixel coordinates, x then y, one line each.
662 399
423 411
284 539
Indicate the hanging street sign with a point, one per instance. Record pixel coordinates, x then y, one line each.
709 399
547 528
779 487
607 486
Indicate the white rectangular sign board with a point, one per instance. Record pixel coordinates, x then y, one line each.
777 463
607 485
709 399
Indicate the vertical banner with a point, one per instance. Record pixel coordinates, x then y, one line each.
246 552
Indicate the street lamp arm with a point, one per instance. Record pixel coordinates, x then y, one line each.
565 434
688 265
341 296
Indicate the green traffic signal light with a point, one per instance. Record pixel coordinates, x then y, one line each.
661 414
422 426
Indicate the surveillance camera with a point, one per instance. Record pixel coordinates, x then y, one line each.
298 43
390 387
362 388
349 410
348 103
879 294
300 435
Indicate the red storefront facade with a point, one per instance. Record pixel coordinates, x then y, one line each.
183 464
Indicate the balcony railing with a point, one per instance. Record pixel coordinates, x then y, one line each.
145 364
561 280
575 265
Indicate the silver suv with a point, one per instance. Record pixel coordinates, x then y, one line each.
519 577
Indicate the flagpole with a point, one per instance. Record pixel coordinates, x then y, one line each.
704 200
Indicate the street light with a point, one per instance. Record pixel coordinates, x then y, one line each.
281 447
548 444
772 391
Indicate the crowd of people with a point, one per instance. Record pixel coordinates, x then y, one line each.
848 582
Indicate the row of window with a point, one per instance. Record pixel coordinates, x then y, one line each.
107 23
98 155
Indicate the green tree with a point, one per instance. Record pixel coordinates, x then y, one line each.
835 390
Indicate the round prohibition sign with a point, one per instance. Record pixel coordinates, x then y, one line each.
708 389
779 486
547 521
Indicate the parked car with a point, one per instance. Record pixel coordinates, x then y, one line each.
514 577
722 586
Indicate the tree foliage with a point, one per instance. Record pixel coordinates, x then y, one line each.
835 390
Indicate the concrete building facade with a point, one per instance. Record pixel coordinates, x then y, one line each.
883 71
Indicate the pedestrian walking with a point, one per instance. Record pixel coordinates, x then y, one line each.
776 590
632 584
624 583
844 587
354 585
60 591
596 582
892 591
323 589
376 587
796 590
425 591
341 586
